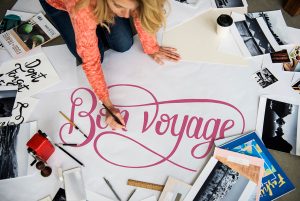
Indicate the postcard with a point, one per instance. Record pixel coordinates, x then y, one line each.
30 34
228 3
7 101
12 19
264 77
31 74
278 124
275 24
296 86
275 183
281 56
14 159
253 35
294 65
192 3
248 166
218 181
174 190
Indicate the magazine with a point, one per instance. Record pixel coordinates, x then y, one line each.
28 35
12 19
275 183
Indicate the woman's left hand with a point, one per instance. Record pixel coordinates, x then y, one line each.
165 53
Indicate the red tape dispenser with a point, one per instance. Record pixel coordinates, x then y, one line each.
41 148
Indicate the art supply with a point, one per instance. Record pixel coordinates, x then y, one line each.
146 185
224 22
111 188
130 195
69 144
69 155
113 115
71 122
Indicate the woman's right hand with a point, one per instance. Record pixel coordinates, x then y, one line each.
110 119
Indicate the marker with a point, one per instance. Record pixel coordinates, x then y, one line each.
111 188
71 122
113 115
69 144
69 154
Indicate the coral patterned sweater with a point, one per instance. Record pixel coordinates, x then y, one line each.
85 24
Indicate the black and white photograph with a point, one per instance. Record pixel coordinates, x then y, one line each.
277 123
13 150
296 86
254 37
264 77
219 182
276 24
229 3
189 2
7 100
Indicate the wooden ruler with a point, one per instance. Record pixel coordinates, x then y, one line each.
146 185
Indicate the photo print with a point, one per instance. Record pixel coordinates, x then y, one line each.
229 3
296 86
277 123
219 182
174 190
189 2
281 56
264 77
13 149
294 64
253 36
275 23
7 100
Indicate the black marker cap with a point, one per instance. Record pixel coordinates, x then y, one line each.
224 20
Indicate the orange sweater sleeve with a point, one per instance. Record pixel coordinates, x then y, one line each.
148 40
85 25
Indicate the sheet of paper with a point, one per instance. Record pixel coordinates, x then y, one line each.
32 74
174 190
197 40
31 6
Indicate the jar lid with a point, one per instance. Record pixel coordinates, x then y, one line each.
225 20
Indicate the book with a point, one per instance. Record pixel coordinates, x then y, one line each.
32 33
12 19
275 183
218 181
248 166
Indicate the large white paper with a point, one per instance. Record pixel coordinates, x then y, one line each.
197 40
31 74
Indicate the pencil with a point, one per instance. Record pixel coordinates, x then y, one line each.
68 144
71 122
69 154
113 115
111 188
130 195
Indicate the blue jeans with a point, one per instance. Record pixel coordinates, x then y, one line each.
119 39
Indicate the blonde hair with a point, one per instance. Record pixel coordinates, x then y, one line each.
150 12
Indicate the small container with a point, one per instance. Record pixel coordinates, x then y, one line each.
224 22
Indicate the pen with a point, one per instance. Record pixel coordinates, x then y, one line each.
111 188
113 115
71 122
69 154
130 195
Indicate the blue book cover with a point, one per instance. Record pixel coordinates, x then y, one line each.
274 182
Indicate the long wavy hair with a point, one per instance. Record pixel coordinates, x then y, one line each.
150 12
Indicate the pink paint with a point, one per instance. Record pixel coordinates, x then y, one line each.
191 127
